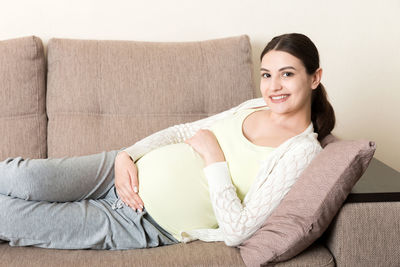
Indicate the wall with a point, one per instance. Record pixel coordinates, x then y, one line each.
358 42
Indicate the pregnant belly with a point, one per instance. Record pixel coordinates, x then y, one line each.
174 189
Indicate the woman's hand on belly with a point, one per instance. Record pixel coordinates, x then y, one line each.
126 181
206 144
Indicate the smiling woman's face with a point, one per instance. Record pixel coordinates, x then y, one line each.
285 85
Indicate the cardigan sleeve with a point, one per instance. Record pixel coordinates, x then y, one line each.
180 132
239 221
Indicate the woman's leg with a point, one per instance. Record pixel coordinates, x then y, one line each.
58 179
87 224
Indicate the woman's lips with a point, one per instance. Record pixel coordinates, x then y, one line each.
279 98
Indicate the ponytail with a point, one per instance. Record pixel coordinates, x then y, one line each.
322 113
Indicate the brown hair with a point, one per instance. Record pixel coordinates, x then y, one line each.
300 46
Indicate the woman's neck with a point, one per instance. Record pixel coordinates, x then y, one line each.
296 122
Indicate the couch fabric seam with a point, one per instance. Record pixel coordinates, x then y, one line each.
37 96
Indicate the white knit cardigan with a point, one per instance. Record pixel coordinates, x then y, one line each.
237 221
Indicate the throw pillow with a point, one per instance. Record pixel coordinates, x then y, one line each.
311 204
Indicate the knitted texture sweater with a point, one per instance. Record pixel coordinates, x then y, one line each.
237 220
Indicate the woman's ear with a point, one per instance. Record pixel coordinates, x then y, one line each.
316 78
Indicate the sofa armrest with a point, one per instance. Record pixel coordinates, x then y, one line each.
366 230
365 234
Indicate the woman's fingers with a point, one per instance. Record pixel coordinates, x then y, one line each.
135 186
130 199
206 144
125 192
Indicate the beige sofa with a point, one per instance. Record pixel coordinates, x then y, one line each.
86 96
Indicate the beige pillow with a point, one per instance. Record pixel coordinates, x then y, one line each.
310 205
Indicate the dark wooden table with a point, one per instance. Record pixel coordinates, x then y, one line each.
379 183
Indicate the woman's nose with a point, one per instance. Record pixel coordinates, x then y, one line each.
275 84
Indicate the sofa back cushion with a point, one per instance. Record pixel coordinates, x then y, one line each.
104 95
23 120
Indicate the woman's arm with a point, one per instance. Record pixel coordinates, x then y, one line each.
180 132
239 221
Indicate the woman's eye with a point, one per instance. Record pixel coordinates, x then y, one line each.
265 75
287 74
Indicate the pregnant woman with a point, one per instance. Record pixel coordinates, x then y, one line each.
216 179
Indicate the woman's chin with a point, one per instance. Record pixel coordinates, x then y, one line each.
278 108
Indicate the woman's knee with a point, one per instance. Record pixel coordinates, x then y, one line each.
25 179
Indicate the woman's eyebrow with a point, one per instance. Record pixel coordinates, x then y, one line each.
283 68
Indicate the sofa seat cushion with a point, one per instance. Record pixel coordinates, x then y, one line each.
197 253
315 255
104 95
23 117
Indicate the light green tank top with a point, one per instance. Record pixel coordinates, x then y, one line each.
172 184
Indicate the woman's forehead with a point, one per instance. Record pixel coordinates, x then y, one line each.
275 60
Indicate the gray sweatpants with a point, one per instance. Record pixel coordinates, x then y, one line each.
71 203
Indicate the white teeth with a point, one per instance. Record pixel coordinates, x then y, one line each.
279 97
